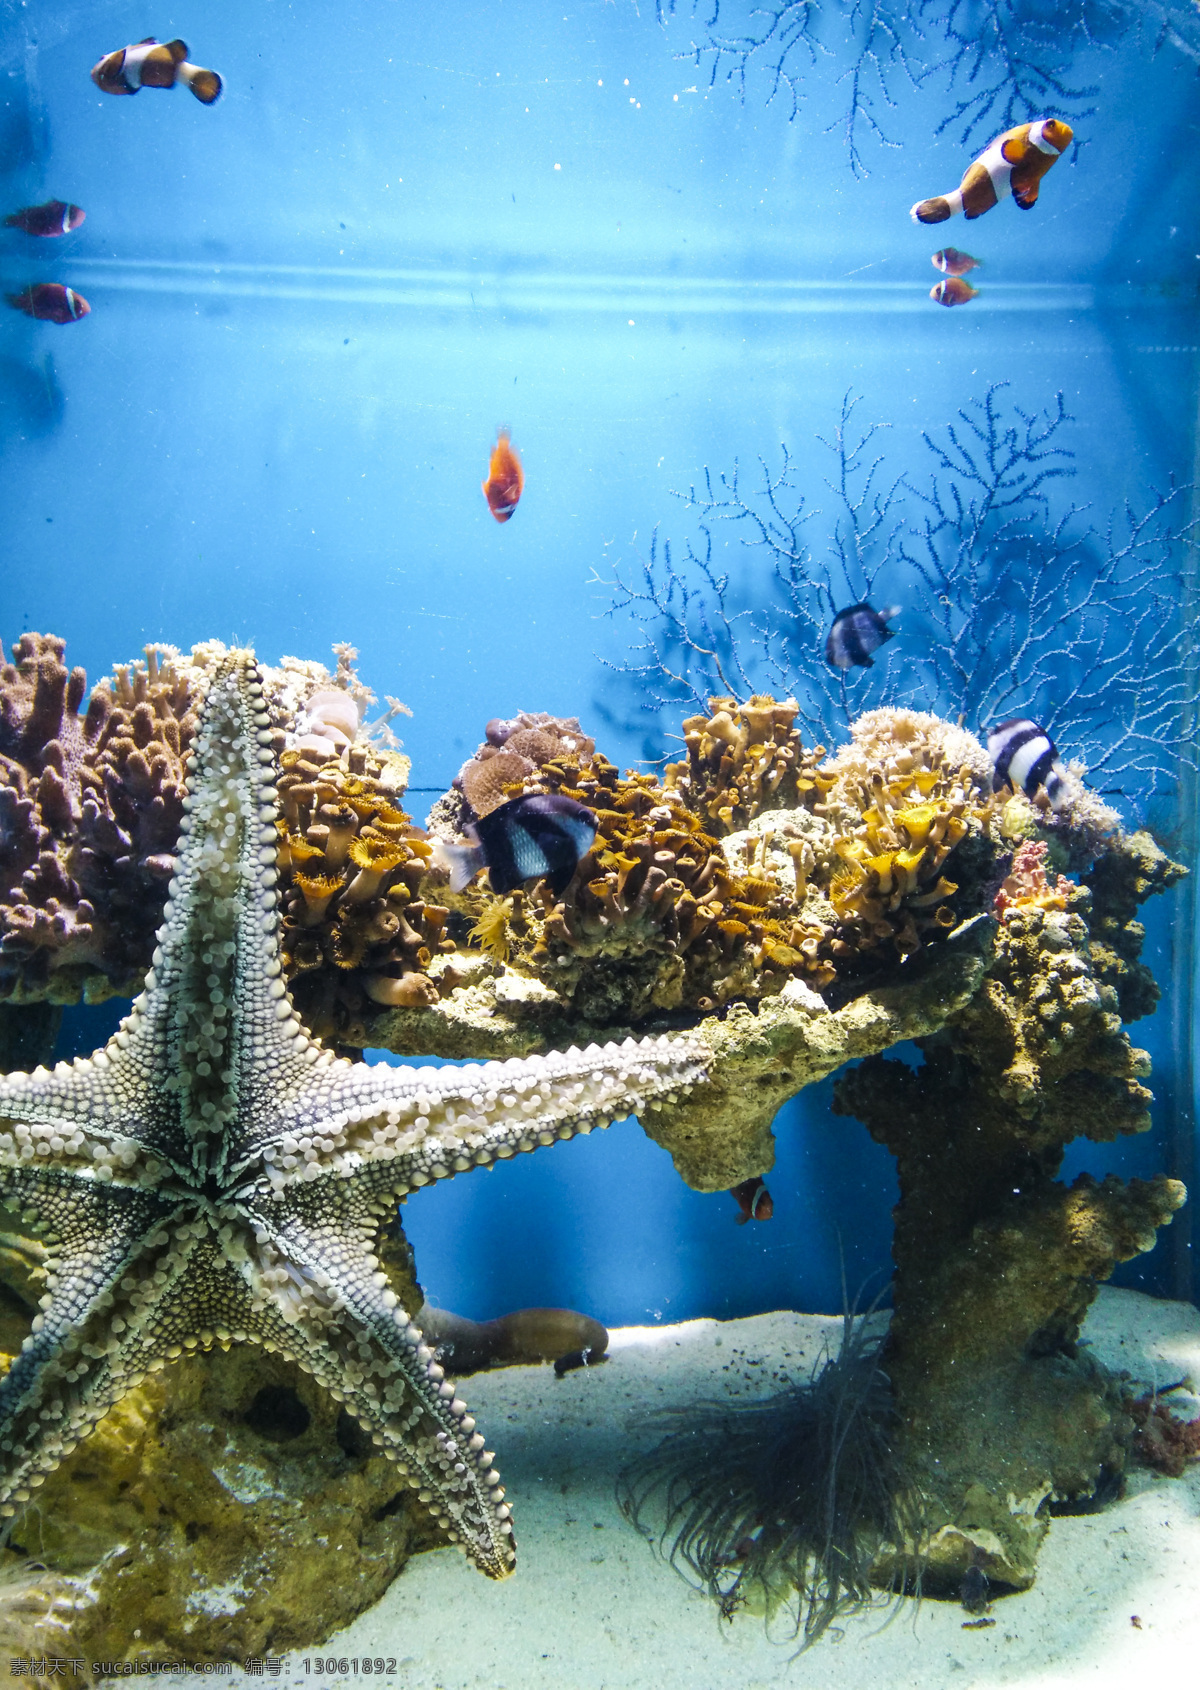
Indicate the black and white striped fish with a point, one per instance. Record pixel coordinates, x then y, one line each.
1026 758
858 631
541 835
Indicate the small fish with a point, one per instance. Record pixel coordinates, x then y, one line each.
951 262
953 291
56 217
1026 758
541 835
753 1199
1014 163
505 478
50 302
858 631
154 64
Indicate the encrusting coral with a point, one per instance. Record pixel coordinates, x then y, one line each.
751 864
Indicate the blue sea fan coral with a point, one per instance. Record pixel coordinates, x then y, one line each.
1017 602
1002 62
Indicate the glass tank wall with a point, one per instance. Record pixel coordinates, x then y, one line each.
680 268
313 303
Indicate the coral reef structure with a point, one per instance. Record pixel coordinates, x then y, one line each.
1003 1416
752 864
214 1176
792 911
89 813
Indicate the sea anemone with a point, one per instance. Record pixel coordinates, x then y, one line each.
790 1499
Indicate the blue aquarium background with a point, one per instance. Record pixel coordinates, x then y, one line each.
403 226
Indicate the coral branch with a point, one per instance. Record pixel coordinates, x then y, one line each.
1019 604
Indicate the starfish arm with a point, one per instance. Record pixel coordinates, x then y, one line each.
408 1126
83 1354
323 1300
93 1100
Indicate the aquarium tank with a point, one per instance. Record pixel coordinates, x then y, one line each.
606 600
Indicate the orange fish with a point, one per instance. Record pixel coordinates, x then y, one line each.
154 64
754 1200
953 291
1014 163
505 478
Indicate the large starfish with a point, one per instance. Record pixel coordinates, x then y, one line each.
215 1176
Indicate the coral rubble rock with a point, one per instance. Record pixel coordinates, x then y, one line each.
1003 1416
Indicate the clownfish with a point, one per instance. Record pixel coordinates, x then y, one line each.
953 291
50 302
1014 163
754 1201
55 217
1026 758
505 478
858 631
951 262
154 64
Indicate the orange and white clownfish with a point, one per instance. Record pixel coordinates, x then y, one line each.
505 478
1014 163
154 64
953 291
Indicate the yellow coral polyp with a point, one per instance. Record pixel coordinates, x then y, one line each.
918 821
944 889
490 932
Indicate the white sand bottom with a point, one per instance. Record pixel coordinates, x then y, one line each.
592 1607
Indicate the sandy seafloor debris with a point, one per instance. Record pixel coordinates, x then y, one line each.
593 1608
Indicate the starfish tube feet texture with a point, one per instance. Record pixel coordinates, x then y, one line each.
214 1175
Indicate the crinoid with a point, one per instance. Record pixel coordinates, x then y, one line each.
785 1504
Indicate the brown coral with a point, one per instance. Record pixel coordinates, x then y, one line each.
356 932
665 914
514 750
89 813
656 918
902 796
742 759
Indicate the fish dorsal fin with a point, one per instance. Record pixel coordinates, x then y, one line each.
177 50
148 41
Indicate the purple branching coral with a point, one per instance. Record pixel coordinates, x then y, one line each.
1003 62
1014 603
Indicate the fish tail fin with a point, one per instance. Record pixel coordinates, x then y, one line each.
461 862
931 211
206 85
